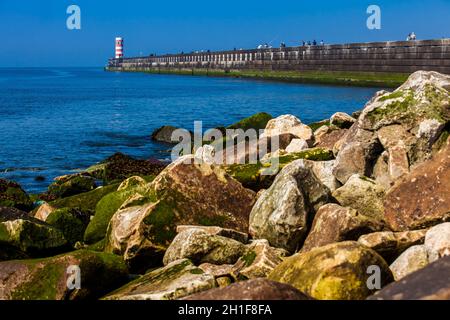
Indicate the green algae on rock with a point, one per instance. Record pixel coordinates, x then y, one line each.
22 236
71 222
337 271
47 279
176 280
12 195
67 186
257 121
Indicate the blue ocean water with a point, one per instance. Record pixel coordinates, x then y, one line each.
54 121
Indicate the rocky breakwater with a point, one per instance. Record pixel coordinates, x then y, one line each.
358 207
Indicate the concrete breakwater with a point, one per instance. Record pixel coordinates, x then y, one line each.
357 63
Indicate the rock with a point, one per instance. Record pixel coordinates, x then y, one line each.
193 194
362 194
437 242
44 211
12 195
337 271
109 204
321 131
413 259
342 120
257 121
420 199
281 214
420 108
67 186
390 244
334 223
259 260
218 271
119 167
330 139
22 236
359 150
71 222
47 279
164 134
297 145
288 124
217 231
429 283
324 171
176 280
257 289
201 247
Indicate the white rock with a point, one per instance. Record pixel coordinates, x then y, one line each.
413 259
288 124
437 241
297 145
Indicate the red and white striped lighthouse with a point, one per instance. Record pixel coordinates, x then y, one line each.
119 48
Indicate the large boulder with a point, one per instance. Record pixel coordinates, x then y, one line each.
256 289
282 213
420 199
363 195
337 271
176 280
419 110
49 279
390 244
22 236
288 124
202 247
413 259
259 260
185 193
334 223
12 195
437 242
429 283
324 171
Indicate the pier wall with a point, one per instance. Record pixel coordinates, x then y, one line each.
390 57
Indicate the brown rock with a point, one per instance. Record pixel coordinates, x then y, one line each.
421 198
329 139
218 231
429 283
44 211
391 244
334 223
257 289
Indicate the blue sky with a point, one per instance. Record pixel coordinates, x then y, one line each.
34 33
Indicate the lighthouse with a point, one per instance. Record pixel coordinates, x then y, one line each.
119 48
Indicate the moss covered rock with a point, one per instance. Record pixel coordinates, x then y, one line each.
176 280
22 236
333 272
12 195
71 222
109 204
70 185
86 201
257 121
47 279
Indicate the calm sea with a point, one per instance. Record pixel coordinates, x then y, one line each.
54 121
